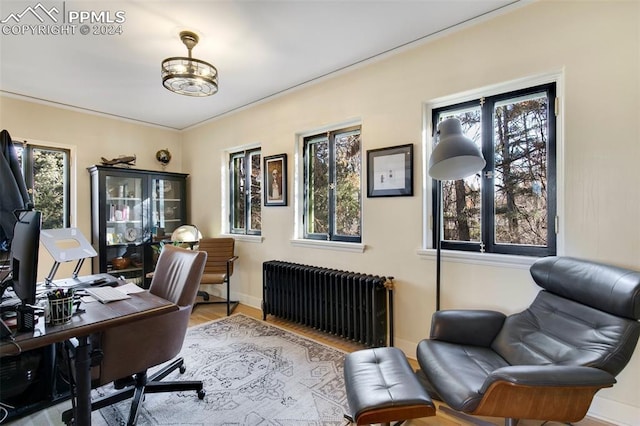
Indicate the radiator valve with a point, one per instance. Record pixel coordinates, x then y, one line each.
389 284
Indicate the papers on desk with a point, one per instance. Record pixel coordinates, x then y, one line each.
106 294
112 294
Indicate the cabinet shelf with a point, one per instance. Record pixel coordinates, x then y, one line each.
139 200
137 221
124 271
125 245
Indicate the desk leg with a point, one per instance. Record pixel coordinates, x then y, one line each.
83 382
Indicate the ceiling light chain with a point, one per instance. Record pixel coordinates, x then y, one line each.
189 76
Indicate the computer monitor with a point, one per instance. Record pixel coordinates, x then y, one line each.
24 255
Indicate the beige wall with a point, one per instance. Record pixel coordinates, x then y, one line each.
596 45
89 137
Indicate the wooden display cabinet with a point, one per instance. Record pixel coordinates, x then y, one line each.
131 209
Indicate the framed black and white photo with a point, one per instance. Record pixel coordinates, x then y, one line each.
390 171
275 180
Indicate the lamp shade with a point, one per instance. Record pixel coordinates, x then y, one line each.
456 156
186 234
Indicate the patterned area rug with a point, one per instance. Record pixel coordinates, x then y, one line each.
254 373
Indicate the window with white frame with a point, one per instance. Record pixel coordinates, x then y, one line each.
332 185
510 206
46 172
245 189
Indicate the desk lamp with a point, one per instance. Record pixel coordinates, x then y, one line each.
187 234
455 157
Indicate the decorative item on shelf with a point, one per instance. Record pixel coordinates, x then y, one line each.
136 260
131 234
120 262
122 161
164 157
455 157
170 212
189 76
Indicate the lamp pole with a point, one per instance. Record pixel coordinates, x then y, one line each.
438 240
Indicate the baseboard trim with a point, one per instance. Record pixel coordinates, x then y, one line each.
625 414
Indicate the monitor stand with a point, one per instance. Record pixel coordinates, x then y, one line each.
49 279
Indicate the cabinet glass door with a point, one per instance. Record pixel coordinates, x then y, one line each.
166 207
124 225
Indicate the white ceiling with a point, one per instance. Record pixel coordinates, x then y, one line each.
260 48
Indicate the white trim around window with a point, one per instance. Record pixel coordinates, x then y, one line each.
298 239
427 144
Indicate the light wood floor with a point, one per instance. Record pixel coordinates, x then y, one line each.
204 313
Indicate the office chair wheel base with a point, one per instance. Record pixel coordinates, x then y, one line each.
201 394
182 369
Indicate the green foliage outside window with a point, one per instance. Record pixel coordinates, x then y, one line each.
46 173
333 199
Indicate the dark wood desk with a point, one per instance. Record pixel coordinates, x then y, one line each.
97 317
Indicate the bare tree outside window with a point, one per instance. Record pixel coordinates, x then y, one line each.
245 189
521 171
333 199
510 206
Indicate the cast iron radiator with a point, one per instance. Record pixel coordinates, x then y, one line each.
354 306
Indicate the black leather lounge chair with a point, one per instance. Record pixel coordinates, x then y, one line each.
544 363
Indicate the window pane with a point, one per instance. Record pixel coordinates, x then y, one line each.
237 192
20 152
461 199
256 191
347 184
520 142
318 186
49 186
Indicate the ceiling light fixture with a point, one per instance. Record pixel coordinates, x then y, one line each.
189 76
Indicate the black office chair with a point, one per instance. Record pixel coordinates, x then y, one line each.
130 349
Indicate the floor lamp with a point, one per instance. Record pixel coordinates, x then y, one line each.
455 157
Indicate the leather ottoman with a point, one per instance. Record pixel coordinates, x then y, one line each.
382 388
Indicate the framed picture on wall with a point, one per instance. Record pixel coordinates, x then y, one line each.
275 180
390 171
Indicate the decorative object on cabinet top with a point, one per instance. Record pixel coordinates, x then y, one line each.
164 157
121 161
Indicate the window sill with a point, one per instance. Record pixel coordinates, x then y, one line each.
247 238
329 245
486 259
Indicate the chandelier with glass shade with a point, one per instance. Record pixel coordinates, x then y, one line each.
187 75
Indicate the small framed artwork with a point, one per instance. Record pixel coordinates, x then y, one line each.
275 180
390 171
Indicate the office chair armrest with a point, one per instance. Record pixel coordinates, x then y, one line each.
466 327
550 376
232 259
